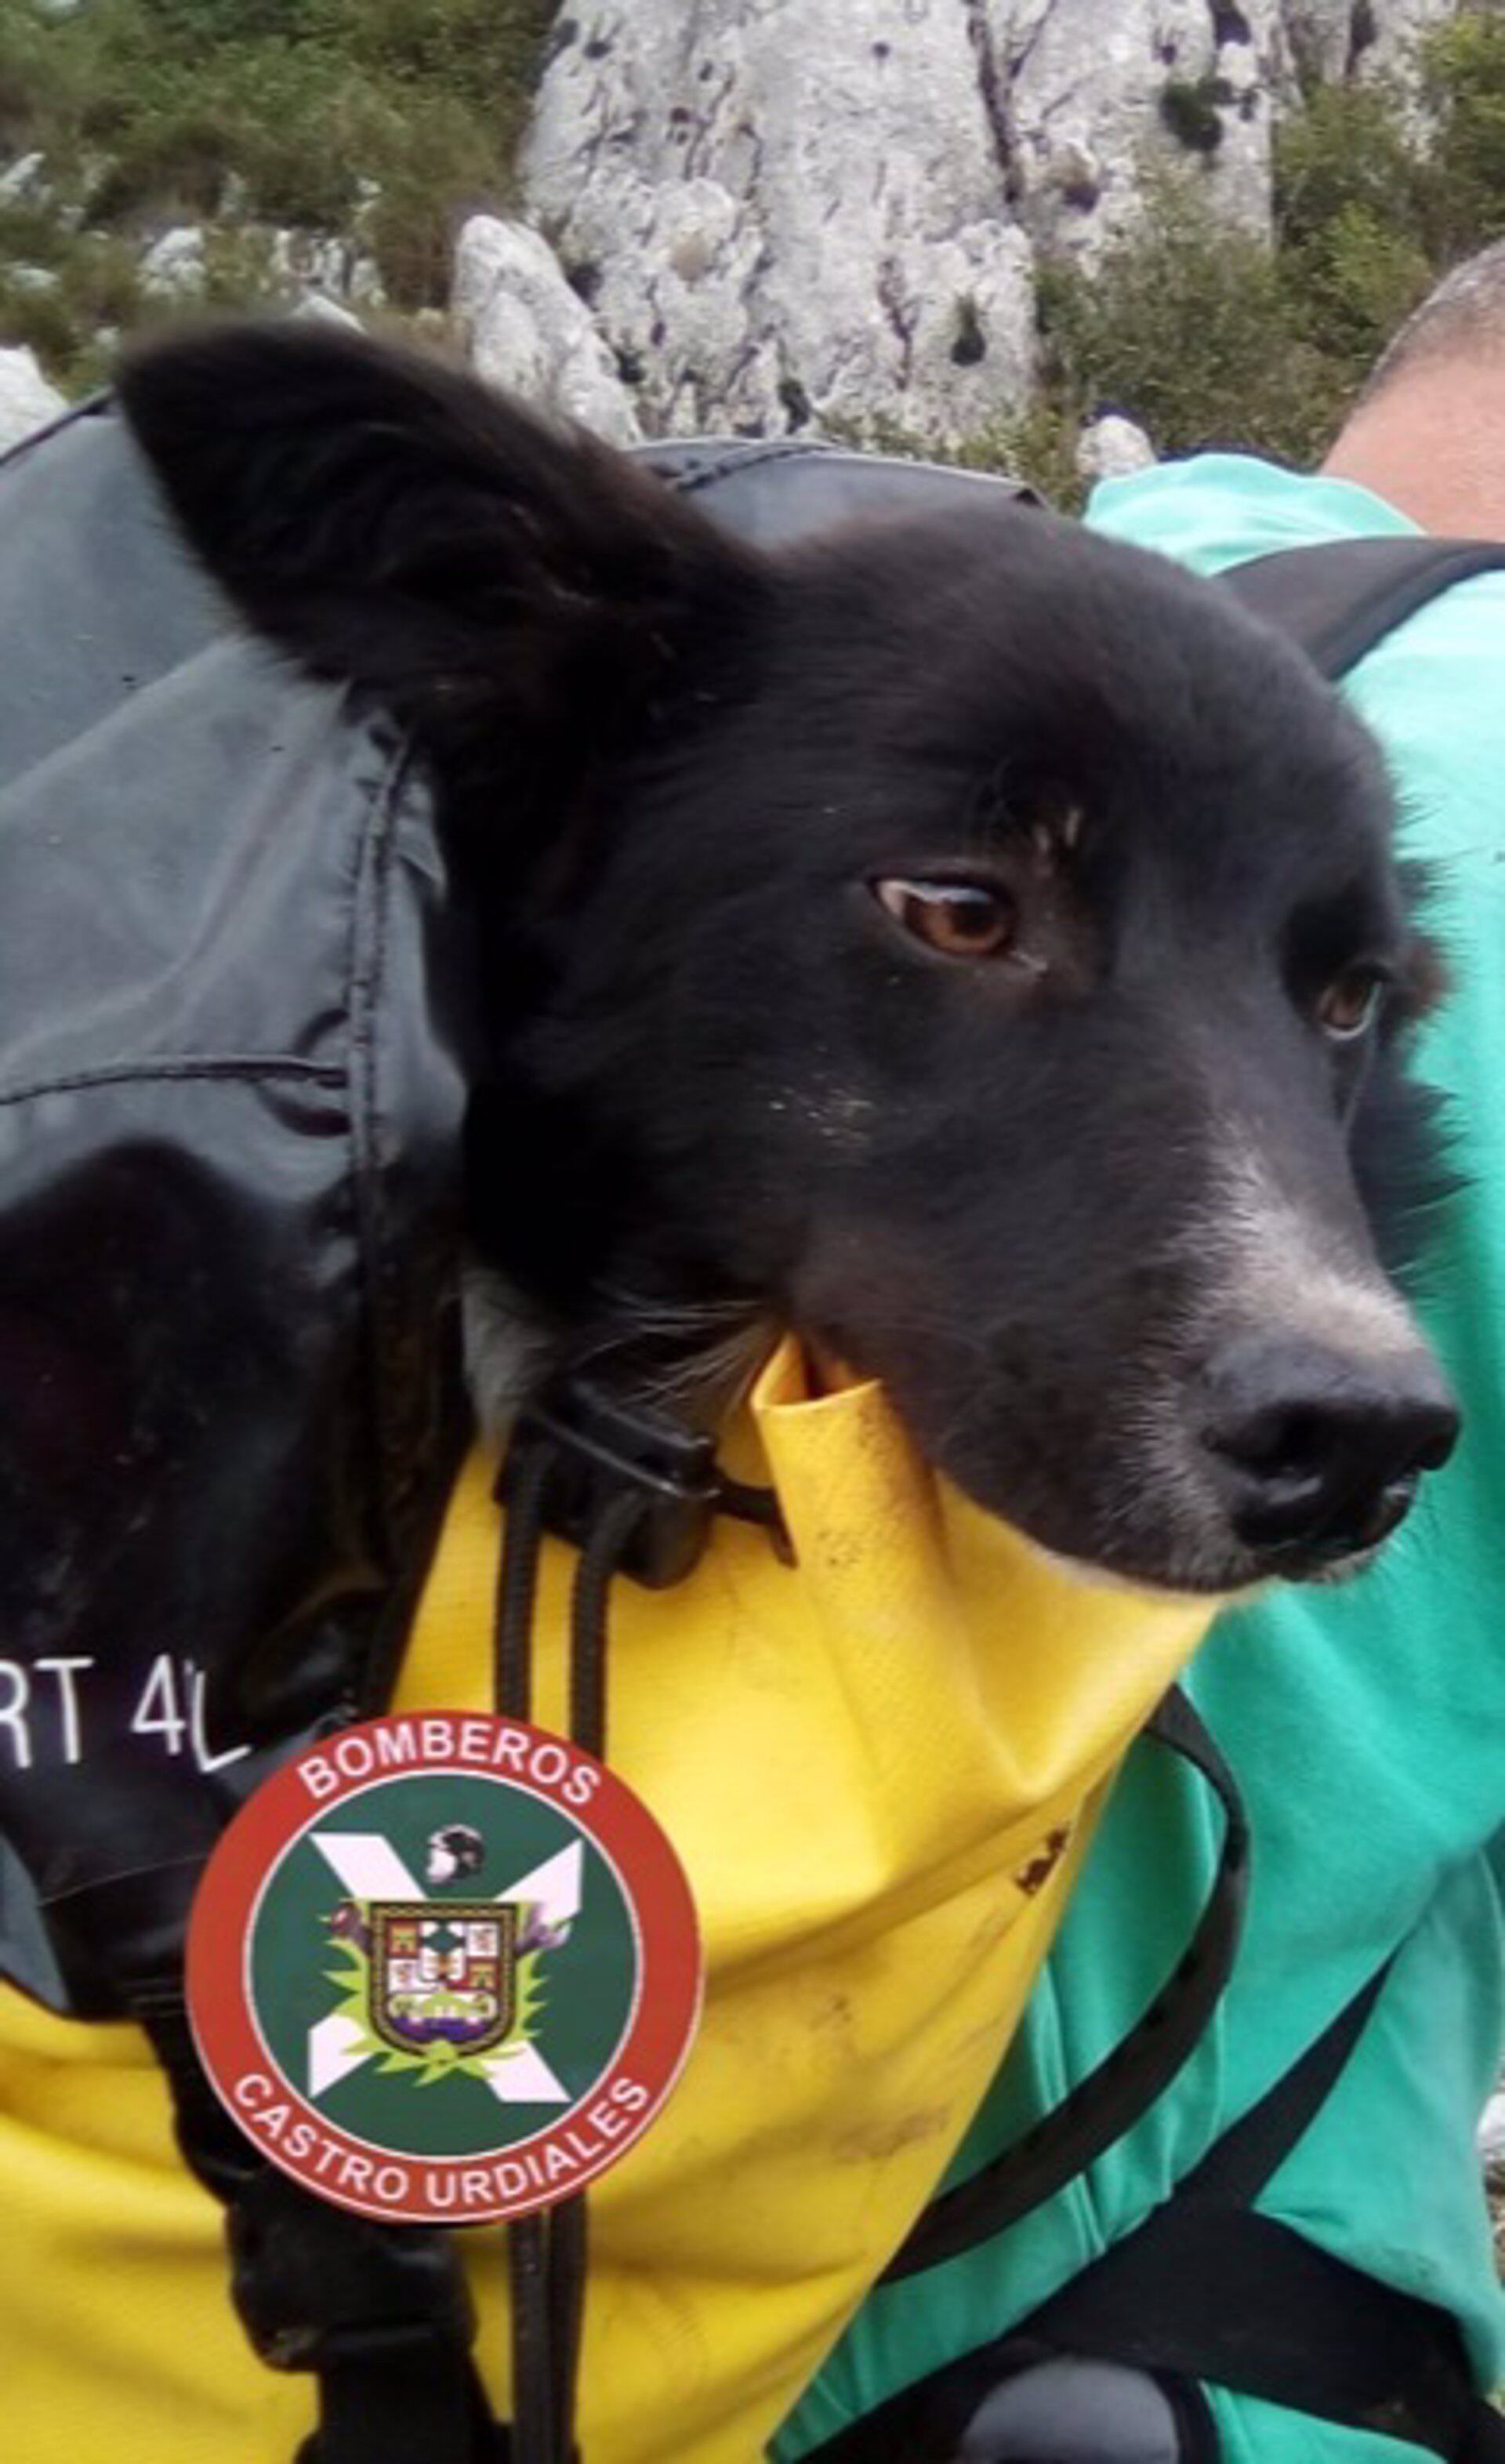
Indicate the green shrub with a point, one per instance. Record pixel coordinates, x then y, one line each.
30 234
1210 338
1189 110
1350 222
1348 149
1037 446
320 115
100 284
95 284
1352 286
1463 84
39 320
1188 328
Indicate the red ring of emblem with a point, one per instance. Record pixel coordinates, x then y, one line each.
649 2057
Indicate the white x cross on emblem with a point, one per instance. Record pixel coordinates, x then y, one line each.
370 1868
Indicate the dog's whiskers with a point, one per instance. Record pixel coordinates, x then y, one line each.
693 1357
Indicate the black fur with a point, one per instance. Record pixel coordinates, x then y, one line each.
727 1089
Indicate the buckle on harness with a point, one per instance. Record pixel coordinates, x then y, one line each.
601 1446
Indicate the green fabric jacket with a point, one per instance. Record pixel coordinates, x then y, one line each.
1367 1724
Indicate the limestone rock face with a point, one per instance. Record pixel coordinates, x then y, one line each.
786 209
523 327
1328 36
1091 97
27 401
1346 38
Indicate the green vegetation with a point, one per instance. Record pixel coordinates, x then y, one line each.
377 118
1209 337
1463 67
1037 445
1190 329
1189 110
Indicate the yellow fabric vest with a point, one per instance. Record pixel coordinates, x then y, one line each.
879 1768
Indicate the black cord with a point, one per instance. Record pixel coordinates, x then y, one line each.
534 2438
1108 2099
547 2253
517 1583
568 2251
599 1562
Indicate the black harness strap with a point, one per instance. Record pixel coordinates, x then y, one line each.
1211 2289
1103 2104
1207 2288
385 2397
380 2313
1342 597
1237 2166
1241 2300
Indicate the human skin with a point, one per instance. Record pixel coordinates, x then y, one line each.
1433 443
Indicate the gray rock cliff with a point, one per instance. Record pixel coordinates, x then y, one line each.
788 211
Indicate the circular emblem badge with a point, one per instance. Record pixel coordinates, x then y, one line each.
444 1969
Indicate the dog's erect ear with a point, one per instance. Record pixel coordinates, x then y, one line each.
396 524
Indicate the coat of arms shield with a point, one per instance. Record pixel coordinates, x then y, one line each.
443 1970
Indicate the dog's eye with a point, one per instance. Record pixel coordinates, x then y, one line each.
961 919
1349 1005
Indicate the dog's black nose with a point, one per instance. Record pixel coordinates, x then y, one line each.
1318 1453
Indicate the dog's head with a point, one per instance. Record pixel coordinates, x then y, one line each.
971 942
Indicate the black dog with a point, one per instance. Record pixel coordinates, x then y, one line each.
971 942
